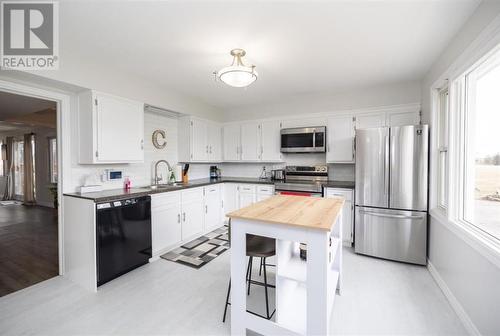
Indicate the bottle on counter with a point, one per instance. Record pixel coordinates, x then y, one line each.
127 183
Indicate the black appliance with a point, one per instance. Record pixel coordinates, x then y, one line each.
123 237
303 140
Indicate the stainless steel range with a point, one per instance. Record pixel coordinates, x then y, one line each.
303 180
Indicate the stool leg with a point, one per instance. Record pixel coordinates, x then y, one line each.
262 260
250 262
227 301
265 288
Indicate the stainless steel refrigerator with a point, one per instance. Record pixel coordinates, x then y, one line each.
391 193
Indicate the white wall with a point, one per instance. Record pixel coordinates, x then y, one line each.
140 174
353 99
469 277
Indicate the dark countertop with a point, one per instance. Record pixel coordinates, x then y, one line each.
117 194
339 184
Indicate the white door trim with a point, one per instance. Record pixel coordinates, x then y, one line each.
63 145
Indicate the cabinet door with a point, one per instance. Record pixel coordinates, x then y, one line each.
347 223
199 136
120 129
192 219
347 212
231 142
370 120
231 197
270 141
166 226
214 143
213 207
403 118
261 197
340 133
250 141
247 199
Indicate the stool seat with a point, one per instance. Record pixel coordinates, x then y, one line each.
262 247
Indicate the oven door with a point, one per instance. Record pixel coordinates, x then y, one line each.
303 140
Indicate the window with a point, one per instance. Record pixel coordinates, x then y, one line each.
53 160
442 143
480 159
19 167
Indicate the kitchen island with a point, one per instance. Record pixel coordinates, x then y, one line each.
305 290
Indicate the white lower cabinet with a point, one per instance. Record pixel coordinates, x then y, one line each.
247 199
165 221
347 212
213 207
231 198
192 212
180 216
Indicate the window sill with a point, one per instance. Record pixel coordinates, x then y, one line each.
474 237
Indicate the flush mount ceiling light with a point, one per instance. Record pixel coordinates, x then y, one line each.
238 74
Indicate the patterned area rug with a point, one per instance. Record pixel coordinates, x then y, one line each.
200 251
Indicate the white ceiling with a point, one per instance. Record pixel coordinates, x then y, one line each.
299 47
14 105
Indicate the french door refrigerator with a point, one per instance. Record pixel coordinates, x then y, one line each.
391 193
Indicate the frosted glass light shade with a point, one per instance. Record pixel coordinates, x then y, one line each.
237 75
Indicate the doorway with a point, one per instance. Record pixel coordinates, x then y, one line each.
29 242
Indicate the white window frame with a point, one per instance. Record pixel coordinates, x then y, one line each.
456 187
442 141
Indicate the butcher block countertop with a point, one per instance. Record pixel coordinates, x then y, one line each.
309 212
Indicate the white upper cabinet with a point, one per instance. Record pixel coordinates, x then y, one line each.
111 129
231 136
250 141
370 120
215 142
270 141
340 135
199 140
402 118
253 141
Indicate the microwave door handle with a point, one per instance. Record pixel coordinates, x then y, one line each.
314 139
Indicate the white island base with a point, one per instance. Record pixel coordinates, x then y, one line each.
305 290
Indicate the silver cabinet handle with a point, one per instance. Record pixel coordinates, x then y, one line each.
142 144
206 149
376 214
178 218
183 216
206 209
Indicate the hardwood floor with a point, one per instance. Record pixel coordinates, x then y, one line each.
28 246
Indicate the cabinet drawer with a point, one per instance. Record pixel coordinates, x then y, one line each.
213 189
265 189
165 199
247 188
346 193
192 195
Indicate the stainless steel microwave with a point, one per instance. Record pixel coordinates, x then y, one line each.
303 140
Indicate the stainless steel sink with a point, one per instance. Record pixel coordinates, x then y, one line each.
165 186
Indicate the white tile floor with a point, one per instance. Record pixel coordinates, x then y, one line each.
380 297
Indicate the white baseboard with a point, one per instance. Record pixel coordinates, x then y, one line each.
457 307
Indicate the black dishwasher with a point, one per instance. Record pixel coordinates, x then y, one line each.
123 236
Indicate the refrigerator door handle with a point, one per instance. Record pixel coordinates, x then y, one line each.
389 215
386 165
